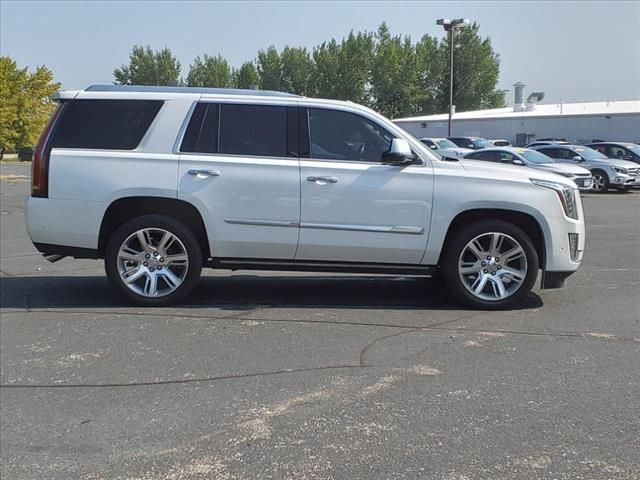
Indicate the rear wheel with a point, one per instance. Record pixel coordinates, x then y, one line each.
490 264
600 182
153 260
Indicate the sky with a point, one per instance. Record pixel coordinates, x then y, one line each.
574 51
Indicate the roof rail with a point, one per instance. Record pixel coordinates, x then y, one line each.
206 90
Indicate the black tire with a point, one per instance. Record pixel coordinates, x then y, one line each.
455 247
183 233
605 181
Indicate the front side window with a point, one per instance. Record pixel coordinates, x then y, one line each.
588 153
556 152
253 130
484 155
429 144
444 144
104 124
338 135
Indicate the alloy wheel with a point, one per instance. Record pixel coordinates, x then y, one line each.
152 262
492 266
599 183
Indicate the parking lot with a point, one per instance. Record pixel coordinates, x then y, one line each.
298 376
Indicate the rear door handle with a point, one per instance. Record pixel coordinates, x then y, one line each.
322 180
203 173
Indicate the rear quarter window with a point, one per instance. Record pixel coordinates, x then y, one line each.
105 124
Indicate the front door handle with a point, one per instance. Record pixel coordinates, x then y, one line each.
203 173
322 180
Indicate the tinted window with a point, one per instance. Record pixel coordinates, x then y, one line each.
341 135
505 157
192 133
429 144
259 130
489 156
105 124
554 152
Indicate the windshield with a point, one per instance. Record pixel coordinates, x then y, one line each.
536 157
482 143
444 143
634 148
590 154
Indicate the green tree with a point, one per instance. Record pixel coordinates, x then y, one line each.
270 69
394 79
326 58
354 67
209 72
147 67
476 72
25 104
430 64
247 76
296 66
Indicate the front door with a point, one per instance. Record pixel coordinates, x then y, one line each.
354 208
239 166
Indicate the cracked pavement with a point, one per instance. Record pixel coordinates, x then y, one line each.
297 376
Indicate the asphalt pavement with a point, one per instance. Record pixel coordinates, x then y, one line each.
298 376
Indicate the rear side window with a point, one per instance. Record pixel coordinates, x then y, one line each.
254 130
105 124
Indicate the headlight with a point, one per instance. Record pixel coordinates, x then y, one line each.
567 196
620 170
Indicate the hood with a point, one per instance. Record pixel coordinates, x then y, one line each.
458 152
562 168
613 161
505 171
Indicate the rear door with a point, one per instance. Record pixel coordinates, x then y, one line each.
354 208
239 166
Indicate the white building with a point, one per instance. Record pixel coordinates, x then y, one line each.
524 123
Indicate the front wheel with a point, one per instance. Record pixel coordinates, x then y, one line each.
153 260
490 264
600 182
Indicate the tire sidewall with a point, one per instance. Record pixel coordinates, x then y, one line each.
458 243
170 224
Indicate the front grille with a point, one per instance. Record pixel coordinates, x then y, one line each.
633 171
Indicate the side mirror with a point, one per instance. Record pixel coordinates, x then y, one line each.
518 162
577 158
399 153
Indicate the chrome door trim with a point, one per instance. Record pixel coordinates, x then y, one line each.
264 223
366 228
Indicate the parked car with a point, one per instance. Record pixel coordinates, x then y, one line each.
500 143
607 173
163 181
540 143
533 159
25 154
445 148
473 143
620 150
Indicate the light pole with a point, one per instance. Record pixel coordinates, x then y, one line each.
451 26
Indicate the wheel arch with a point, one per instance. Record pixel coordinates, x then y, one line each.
124 209
527 222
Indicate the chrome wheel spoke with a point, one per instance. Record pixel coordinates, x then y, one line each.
151 285
178 259
476 249
479 284
514 254
498 287
134 275
169 277
165 242
470 267
513 273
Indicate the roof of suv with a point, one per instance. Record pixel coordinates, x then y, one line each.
205 90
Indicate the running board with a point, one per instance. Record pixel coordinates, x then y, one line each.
316 266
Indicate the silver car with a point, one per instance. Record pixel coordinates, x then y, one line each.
607 172
445 148
532 159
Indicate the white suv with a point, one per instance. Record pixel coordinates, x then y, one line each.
162 181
